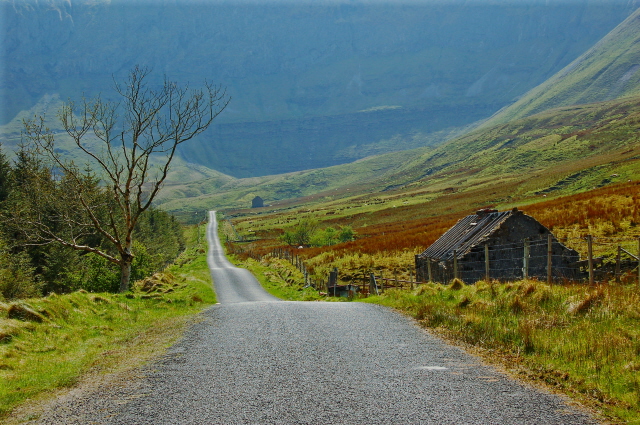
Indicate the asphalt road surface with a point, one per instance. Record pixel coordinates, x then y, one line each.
255 360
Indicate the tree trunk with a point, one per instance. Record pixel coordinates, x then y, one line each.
125 271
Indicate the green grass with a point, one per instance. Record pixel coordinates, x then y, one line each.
580 340
70 335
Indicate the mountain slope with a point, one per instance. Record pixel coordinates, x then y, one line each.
366 175
543 149
609 70
314 83
560 151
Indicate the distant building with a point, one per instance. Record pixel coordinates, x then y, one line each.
257 202
517 246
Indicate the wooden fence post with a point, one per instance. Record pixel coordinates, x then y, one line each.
429 269
486 263
373 285
618 258
549 258
455 264
333 280
590 258
525 260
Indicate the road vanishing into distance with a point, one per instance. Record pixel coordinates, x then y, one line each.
253 359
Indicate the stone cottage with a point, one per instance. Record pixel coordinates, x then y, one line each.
257 202
507 245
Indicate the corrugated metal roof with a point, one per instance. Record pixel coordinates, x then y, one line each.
466 234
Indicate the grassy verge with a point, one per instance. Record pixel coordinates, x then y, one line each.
50 343
278 277
583 341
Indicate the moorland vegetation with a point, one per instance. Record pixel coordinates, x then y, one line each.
578 339
575 169
591 189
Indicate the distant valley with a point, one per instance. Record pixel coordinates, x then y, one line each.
569 149
313 84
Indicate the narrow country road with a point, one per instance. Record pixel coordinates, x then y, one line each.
232 284
256 360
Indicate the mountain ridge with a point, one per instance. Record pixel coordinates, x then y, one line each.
290 65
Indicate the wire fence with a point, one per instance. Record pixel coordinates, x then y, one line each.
591 260
588 260
607 259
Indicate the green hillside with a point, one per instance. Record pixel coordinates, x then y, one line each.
563 150
609 70
557 152
326 183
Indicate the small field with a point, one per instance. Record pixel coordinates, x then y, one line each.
387 238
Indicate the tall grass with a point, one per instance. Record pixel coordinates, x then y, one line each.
607 211
582 340
389 239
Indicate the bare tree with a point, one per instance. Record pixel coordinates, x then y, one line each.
130 146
